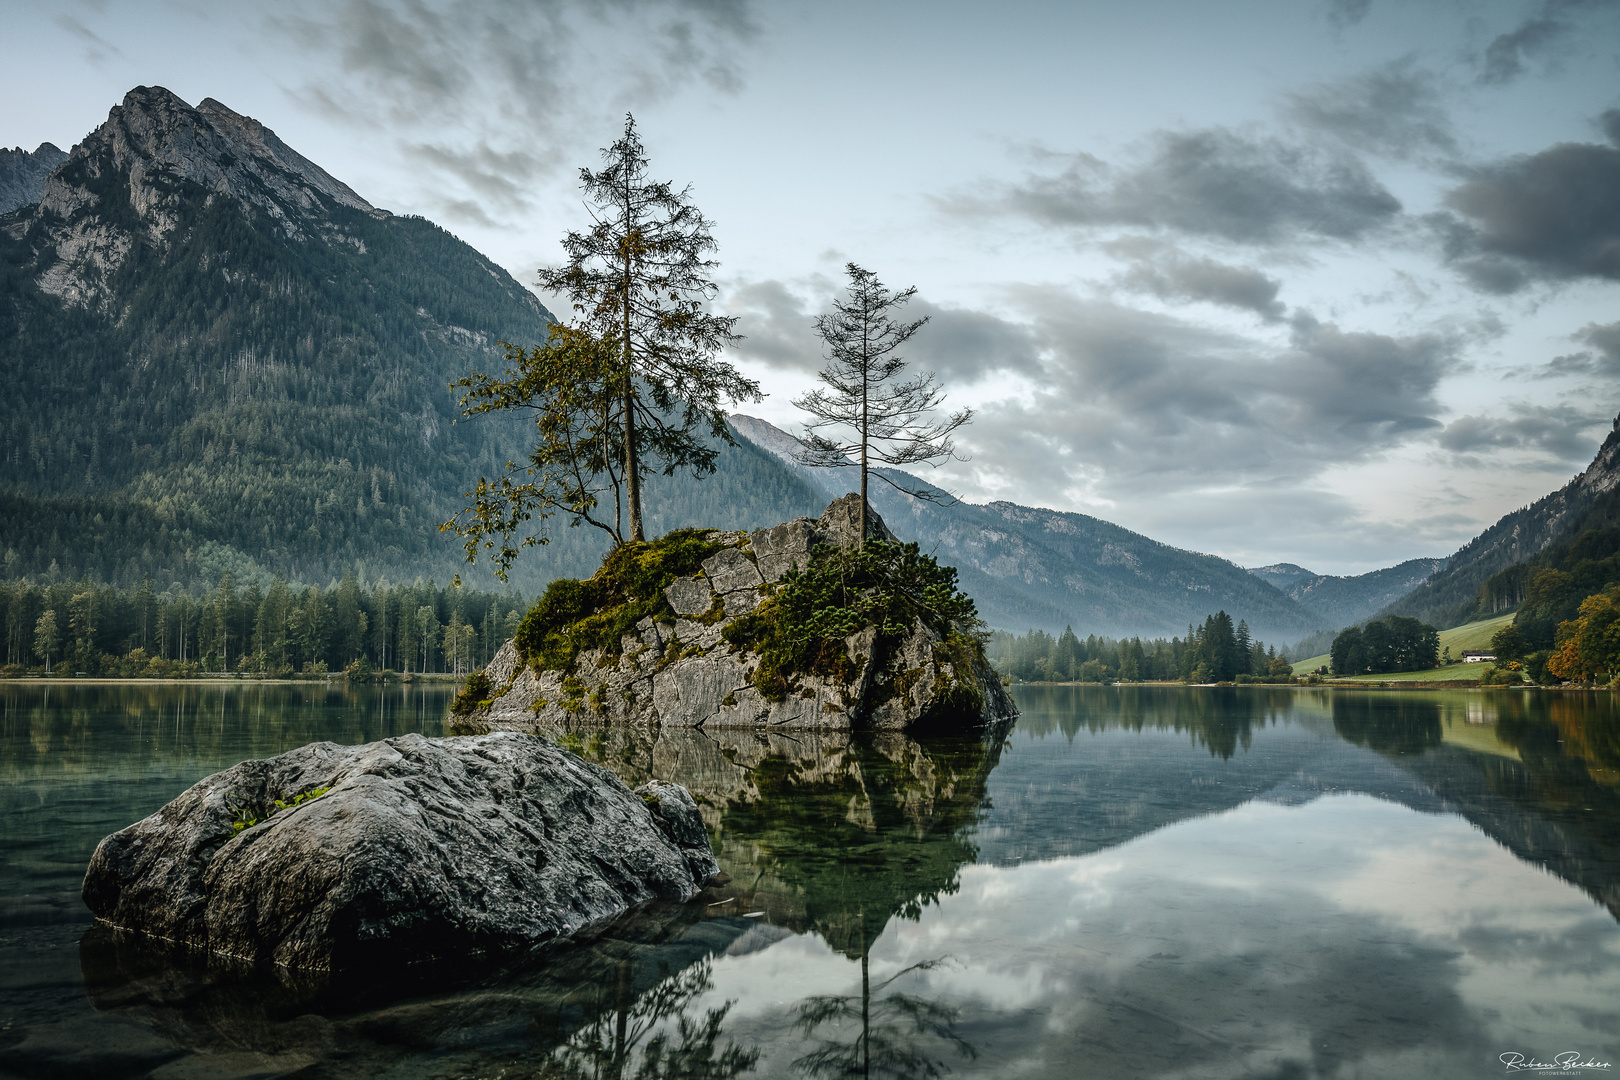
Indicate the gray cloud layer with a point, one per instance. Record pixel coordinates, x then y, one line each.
1394 110
1542 36
1212 182
1557 430
1554 216
500 89
1119 396
1172 276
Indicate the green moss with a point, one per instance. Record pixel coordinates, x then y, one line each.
577 616
474 695
956 693
801 629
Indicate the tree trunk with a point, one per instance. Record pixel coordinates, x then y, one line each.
632 474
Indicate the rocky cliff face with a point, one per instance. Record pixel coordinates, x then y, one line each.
684 672
22 174
400 852
127 182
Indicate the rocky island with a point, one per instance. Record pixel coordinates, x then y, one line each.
792 627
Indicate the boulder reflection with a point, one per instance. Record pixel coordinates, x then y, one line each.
827 833
620 1002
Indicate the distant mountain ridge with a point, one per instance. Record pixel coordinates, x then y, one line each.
1346 601
1591 499
1031 568
23 174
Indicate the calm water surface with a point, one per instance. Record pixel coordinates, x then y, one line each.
1151 881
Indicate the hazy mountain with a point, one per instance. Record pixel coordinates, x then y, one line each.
22 175
1043 569
1346 601
218 356
1451 596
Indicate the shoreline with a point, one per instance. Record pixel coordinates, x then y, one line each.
216 680
1326 684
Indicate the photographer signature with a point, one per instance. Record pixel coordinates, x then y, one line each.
1565 1062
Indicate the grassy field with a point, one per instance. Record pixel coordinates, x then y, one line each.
1475 635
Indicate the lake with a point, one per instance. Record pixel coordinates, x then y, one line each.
1136 881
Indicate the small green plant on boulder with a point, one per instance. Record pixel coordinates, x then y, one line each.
244 817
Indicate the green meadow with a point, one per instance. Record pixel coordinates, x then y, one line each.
1474 635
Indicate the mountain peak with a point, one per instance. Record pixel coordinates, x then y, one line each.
137 166
22 174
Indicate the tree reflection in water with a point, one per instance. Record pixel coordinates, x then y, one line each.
895 1029
849 848
607 1046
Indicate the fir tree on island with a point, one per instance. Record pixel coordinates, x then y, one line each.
885 416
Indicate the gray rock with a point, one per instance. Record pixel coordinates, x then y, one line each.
689 596
783 547
687 675
422 849
730 570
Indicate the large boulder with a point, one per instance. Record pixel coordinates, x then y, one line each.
681 671
400 852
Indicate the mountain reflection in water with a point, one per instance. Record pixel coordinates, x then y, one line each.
1135 881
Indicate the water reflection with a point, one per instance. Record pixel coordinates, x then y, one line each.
1137 881
891 1033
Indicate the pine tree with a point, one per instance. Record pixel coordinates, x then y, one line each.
885 417
641 280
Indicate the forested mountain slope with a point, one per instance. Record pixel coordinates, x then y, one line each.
218 356
1451 597
1345 601
1043 569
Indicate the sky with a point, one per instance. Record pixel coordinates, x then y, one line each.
1330 282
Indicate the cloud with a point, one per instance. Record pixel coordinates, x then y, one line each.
1539 36
1177 277
1557 430
1095 400
1343 13
1605 339
1394 110
1127 401
494 93
1212 182
777 326
1553 215
960 345
100 49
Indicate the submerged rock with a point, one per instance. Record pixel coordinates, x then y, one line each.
681 669
416 850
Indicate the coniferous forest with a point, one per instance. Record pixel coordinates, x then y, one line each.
1214 652
270 628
